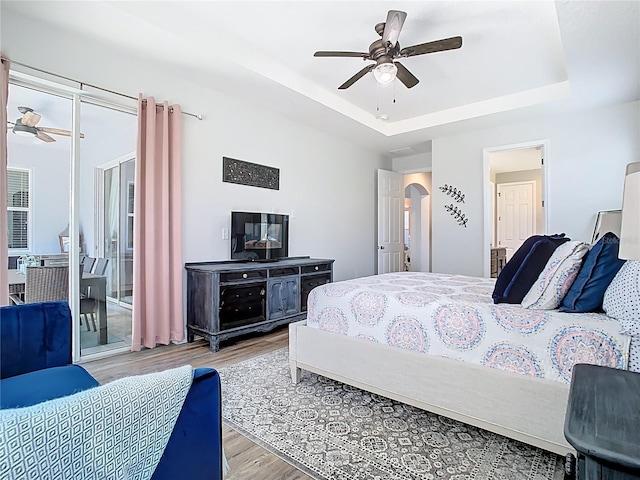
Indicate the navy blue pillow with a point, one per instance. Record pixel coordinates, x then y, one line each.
524 268
598 269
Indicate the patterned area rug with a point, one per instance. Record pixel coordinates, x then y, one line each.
334 431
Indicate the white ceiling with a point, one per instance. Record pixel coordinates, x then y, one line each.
543 57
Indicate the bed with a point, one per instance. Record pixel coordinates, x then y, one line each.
438 342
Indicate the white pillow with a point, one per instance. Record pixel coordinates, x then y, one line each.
622 298
557 277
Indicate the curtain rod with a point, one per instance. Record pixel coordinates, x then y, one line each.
198 116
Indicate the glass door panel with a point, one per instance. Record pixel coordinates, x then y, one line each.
117 227
109 136
127 190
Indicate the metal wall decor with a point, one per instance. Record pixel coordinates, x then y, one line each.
460 217
454 211
252 174
450 190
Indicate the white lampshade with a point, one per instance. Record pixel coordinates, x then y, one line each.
630 229
385 72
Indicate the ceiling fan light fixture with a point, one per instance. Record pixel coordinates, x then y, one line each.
24 130
385 72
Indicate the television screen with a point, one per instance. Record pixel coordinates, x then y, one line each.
259 236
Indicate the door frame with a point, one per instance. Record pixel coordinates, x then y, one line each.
545 152
77 96
99 214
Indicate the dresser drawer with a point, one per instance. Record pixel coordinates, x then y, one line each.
321 267
283 272
243 275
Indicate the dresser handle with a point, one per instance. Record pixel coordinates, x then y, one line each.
317 267
244 275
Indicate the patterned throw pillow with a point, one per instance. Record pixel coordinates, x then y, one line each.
521 272
598 269
622 298
557 277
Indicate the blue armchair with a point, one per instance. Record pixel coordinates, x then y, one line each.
35 366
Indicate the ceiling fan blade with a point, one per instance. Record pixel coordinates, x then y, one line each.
432 47
57 131
405 76
44 137
356 77
341 54
392 27
30 118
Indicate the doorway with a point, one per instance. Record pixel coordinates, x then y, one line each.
516 205
115 226
57 167
417 227
404 222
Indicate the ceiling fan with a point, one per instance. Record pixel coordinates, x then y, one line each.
27 126
386 50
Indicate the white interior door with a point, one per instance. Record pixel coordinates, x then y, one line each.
516 214
390 221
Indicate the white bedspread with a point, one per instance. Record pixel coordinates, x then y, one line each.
454 316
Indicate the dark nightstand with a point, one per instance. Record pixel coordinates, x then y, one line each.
603 422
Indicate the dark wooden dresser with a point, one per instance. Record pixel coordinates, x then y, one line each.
603 422
498 261
230 298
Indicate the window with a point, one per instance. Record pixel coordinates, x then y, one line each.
19 218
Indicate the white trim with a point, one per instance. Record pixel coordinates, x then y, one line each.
74 220
544 145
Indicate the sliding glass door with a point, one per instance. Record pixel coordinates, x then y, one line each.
116 233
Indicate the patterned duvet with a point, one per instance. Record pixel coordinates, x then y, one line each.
454 316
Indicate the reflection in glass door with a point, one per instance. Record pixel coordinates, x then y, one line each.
117 227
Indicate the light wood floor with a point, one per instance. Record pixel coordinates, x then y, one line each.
247 461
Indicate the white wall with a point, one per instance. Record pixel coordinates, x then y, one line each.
49 193
326 184
586 161
420 162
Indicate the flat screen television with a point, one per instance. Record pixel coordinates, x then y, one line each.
259 236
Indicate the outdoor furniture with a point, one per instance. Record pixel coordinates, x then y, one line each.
97 283
100 266
35 357
87 263
90 303
44 284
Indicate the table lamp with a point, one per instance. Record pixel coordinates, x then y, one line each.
630 228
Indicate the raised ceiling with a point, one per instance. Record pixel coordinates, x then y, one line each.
517 56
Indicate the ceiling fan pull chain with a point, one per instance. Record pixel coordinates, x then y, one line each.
394 89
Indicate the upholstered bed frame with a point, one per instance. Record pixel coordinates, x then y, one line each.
527 409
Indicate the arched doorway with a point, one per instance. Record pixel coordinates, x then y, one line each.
417 228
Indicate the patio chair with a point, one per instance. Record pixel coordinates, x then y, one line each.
100 266
87 264
44 284
89 304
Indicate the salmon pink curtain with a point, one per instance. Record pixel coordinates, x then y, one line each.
157 231
4 240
